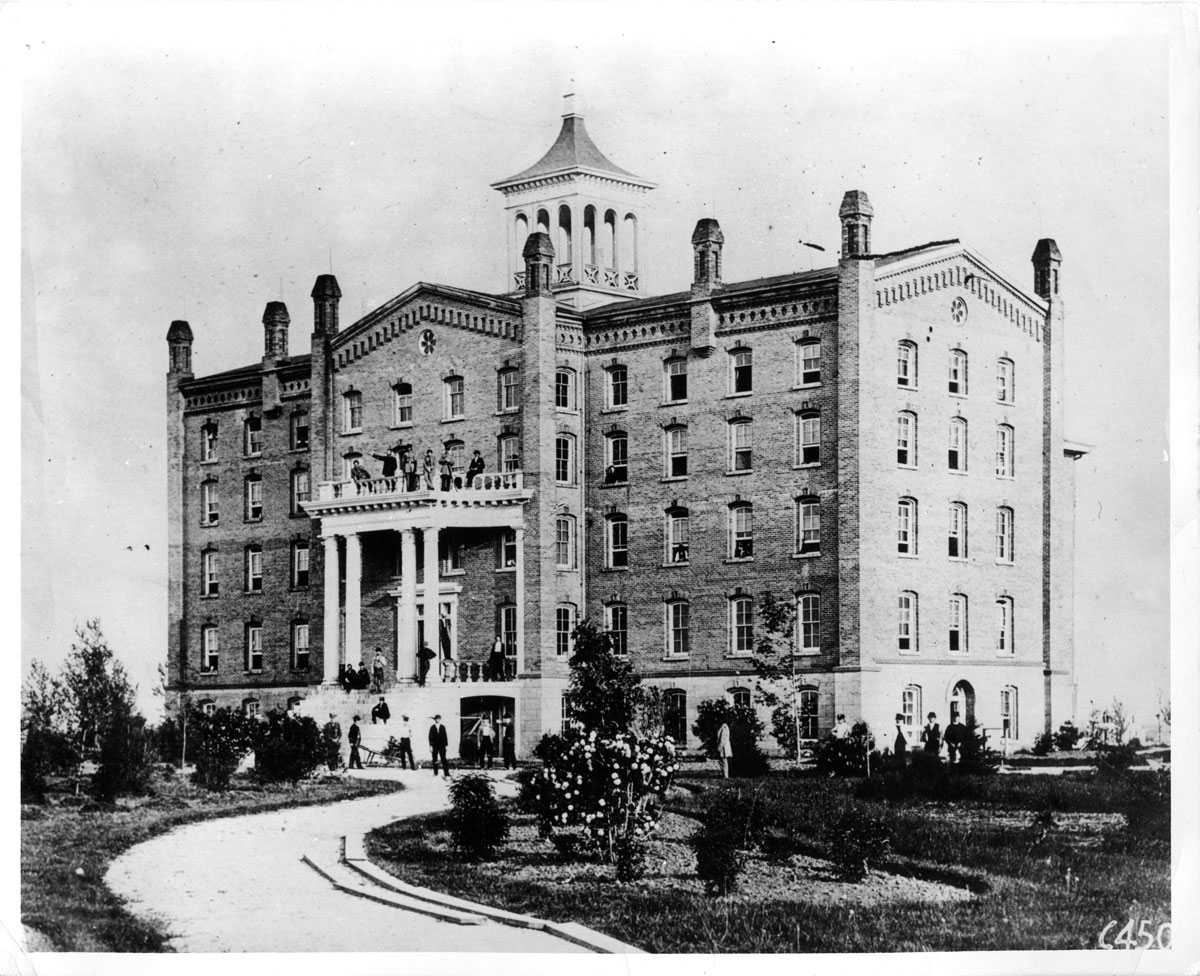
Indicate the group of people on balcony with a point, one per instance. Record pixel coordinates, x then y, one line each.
400 470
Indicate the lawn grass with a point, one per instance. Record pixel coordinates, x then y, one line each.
78 913
1021 872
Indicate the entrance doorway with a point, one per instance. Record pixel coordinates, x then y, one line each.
442 636
962 702
497 709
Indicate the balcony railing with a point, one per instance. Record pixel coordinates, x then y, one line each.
519 280
564 274
487 483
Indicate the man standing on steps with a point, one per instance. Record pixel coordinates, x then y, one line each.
438 741
378 668
333 743
354 736
406 745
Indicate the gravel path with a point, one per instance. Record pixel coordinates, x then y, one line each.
238 884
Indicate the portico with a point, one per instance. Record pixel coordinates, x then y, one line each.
348 510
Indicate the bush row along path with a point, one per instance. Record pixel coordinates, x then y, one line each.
238 884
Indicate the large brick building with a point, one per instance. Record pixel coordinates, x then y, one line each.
880 441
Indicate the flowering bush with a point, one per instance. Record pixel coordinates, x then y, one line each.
605 783
222 740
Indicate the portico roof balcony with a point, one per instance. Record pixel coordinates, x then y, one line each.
490 488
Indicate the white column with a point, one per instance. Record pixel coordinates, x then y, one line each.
332 652
520 534
433 635
406 664
353 598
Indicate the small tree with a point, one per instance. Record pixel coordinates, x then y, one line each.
1119 721
222 740
478 824
975 755
46 748
95 683
287 748
126 755
778 679
604 692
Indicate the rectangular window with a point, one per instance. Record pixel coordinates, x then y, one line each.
564 548
743 372
354 412
678 536
402 404
677 380
298 430
1004 535
958 623
618 628
455 399
809 527
810 623
510 390
677 622
508 549
301 491
564 623
508 629
742 625
452 557
618 386
742 532
300 564
617 470
254 437
810 439
810 363
300 647
254 651
906 623
618 543
254 502
808 714
1008 713
208 443
677 452
210 502
564 461
254 570
743 447
210 649
210 584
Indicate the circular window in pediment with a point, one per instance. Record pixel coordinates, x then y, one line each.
958 310
428 341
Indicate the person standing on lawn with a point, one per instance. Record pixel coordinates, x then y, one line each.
900 748
354 736
842 729
438 741
955 734
931 735
333 743
508 746
724 749
487 743
406 744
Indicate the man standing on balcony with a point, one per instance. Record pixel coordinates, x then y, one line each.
389 468
427 470
446 464
475 467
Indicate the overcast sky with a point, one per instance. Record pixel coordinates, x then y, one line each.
197 162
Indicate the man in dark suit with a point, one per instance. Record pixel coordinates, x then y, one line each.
355 737
438 741
381 712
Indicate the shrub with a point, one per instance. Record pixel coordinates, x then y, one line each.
1067 736
287 748
1043 743
223 739
976 757
126 755
45 752
720 842
1148 813
478 824
857 841
848 756
1115 760
633 855
745 732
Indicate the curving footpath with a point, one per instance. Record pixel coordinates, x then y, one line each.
241 884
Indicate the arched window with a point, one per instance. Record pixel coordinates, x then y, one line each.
254 498
958 622
906 439
906 527
741 446
741 531
810 362
298 430
1004 625
677 452
522 231
906 623
210 503
563 242
208 442
254 436
210 647
608 241
564 625
1004 381
564 459
906 365
589 235
1005 447
254 569
300 645
678 535
564 389
957 535
617 542
301 490
808 713
1008 713
616 461
741 626
352 413
617 389
254 646
910 706
617 623
210 581
808 526
564 542
457 451
739 697
402 404
456 400
543 221
629 243
958 372
741 371
300 555
808 438
1004 535
808 623
957 456
676 380
678 628
675 715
